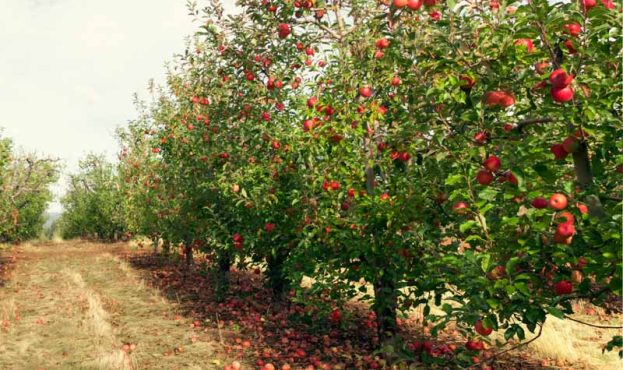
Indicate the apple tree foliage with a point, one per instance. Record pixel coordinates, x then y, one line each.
464 155
93 203
25 181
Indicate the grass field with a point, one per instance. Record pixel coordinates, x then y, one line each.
74 306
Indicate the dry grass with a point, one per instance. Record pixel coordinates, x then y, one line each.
74 305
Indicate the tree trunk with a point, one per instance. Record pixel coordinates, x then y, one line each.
188 251
385 305
277 279
582 166
166 247
222 277
154 243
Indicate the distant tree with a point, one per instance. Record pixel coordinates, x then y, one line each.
93 204
25 181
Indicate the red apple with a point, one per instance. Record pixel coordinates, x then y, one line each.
283 30
467 82
527 43
480 137
562 95
559 151
558 201
569 45
565 230
414 4
582 208
587 4
492 163
474 345
539 203
365 91
460 208
573 29
382 43
559 78
480 329
400 3
563 287
559 239
335 316
395 81
484 177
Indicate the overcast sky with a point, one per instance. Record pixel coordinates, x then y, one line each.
69 69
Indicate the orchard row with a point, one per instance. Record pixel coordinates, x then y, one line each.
450 154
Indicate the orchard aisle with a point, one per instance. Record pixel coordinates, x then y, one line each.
76 306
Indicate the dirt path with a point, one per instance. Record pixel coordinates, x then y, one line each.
75 305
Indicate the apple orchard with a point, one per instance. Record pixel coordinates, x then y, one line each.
463 158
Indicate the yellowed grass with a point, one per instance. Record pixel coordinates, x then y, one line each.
77 305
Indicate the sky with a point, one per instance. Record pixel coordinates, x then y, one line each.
69 70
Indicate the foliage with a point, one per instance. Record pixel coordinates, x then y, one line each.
349 140
25 181
92 203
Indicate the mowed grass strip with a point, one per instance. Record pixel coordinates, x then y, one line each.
75 306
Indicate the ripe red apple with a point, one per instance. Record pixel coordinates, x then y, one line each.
382 43
527 43
563 287
480 329
559 239
562 95
539 203
283 30
568 216
492 163
569 45
559 151
434 15
608 4
558 201
400 3
559 78
414 4
573 29
480 137
467 82
565 229
474 345
460 208
269 227
335 316
588 4
365 91
484 177
502 98
571 144
582 208
395 81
